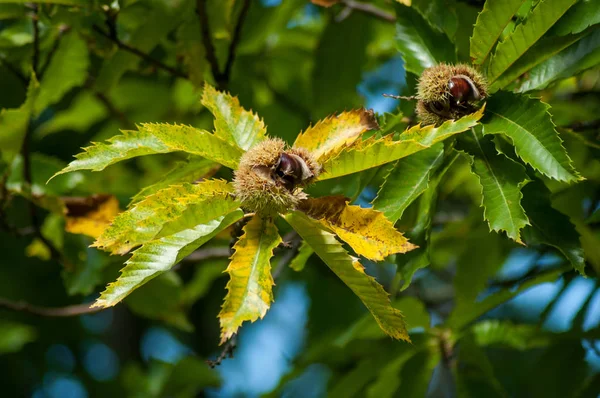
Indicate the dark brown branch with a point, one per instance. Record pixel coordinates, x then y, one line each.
114 111
370 10
227 352
235 41
140 54
70 310
36 39
585 125
211 55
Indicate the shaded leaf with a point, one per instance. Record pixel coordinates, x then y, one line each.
579 17
152 139
569 62
190 46
67 70
525 35
420 45
145 219
518 336
527 123
233 123
551 227
304 253
367 231
79 3
249 291
406 181
159 256
501 180
352 273
90 215
84 111
375 152
330 135
13 336
491 22
192 170
15 122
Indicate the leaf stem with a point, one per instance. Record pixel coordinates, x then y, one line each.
60 312
369 9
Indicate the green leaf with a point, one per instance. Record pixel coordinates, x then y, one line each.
551 227
538 21
527 122
159 256
421 46
190 171
330 135
208 271
233 123
82 114
191 49
79 3
518 336
152 139
579 17
459 320
304 253
546 48
13 336
501 180
569 62
67 70
375 152
491 22
249 291
144 221
352 273
161 299
407 181
15 122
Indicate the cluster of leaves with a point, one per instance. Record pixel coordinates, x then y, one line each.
526 164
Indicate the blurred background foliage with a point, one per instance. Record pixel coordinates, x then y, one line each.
488 317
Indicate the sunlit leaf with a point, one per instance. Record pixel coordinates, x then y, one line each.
492 20
159 256
143 221
375 152
367 231
249 290
571 61
420 45
192 170
67 70
528 124
90 215
352 273
233 123
152 139
406 181
501 180
328 136
538 21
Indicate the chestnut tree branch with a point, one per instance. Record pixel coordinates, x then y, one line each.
67 311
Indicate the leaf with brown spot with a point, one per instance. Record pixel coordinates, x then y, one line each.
250 288
90 215
367 231
326 138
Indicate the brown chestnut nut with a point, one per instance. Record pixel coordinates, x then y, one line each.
462 89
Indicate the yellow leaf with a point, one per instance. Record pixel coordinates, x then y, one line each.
352 273
90 215
326 138
250 291
367 231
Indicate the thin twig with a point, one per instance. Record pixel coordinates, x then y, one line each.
36 38
370 10
140 54
227 352
235 40
211 55
61 32
209 252
67 311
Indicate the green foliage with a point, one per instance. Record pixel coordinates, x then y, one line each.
465 216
